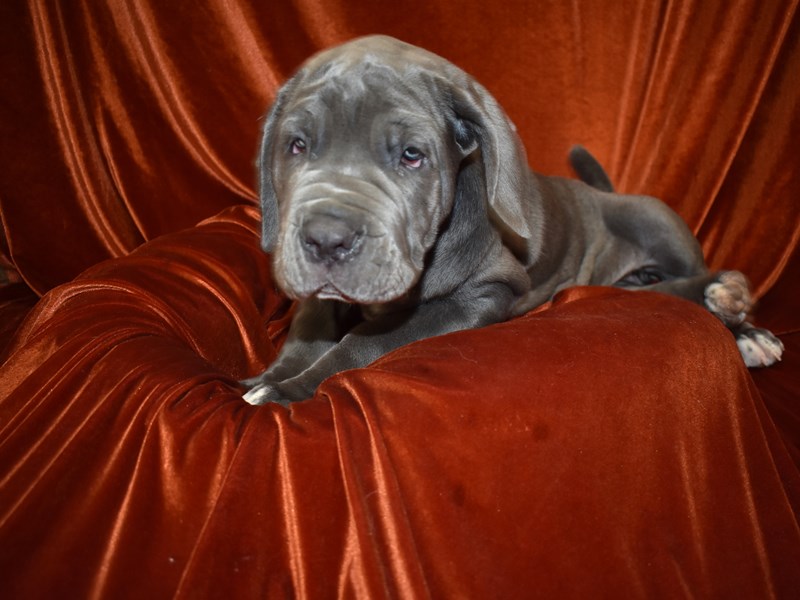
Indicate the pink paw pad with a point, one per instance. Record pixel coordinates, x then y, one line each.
729 297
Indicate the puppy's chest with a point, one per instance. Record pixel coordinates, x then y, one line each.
373 312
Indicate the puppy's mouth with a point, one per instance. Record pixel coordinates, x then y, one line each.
354 264
369 310
331 292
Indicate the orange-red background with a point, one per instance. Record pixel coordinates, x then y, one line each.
610 443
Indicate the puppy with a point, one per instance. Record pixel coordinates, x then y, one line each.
398 205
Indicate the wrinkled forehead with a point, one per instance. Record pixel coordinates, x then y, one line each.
382 51
377 60
357 92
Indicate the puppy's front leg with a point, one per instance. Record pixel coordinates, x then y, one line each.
316 327
370 340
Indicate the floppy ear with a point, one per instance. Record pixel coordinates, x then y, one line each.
508 187
270 216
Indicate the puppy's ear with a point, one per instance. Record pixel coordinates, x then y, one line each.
505 164
270 215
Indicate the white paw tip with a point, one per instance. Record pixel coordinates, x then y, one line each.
256 396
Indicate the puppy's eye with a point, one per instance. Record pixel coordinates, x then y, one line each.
298 146
412 158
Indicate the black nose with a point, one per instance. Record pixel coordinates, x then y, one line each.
330 239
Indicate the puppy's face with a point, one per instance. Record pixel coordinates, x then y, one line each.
363 161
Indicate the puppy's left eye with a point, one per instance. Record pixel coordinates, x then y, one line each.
298 146
412 158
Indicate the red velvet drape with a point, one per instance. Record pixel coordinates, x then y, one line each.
611 444
126 120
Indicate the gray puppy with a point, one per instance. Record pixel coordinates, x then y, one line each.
398 205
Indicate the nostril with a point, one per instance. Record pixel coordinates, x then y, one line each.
329 239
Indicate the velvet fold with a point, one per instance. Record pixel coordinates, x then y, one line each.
610 443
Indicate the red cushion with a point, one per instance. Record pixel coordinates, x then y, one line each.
610 443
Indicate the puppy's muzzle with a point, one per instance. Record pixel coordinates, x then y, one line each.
331 239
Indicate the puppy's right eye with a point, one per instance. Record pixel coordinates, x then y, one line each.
412 158
298 146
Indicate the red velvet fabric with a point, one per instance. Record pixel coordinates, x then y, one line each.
610 444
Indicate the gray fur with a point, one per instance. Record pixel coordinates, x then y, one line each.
382 251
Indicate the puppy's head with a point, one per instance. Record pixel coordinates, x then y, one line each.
358 167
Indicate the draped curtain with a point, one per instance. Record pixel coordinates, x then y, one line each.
125 120
611 444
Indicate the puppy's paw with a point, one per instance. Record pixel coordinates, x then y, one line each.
263 393
729 297
759 347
